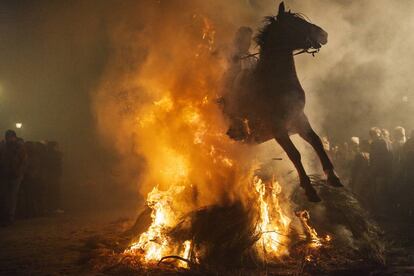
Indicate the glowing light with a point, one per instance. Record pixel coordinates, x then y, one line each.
19 125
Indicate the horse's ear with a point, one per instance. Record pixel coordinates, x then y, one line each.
281 8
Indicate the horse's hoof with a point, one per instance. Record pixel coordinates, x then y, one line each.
312 195
334 181
310 192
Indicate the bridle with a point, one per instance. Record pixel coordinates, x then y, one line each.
311 50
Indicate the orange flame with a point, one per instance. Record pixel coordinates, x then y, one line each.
273 224
311 235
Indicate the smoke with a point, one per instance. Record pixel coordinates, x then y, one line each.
362 77
357 79
159 91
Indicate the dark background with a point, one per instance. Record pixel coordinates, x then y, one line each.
52 55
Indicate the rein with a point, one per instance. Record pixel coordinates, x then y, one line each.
307 51
304 51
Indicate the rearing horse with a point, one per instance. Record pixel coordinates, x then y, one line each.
270 100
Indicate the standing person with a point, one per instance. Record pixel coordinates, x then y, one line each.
43 177
24 208
385 134
54 165
342 158
407 193
408 152
380 166
32 182
13 161
359 175
353 149
398 141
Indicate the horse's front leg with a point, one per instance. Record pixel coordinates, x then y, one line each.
284 141
309 135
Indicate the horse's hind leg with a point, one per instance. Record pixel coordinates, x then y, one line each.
309 135
294 155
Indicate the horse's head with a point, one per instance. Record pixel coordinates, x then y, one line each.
291 31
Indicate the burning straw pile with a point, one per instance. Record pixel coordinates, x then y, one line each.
232 235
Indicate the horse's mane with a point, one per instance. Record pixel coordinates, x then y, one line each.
264 31
269 22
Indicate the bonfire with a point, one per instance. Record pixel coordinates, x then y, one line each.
231 234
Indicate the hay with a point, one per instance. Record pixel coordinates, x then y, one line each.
222 235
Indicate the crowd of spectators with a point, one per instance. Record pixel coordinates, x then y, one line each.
379 169
30 175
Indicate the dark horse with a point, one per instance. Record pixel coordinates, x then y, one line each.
268 102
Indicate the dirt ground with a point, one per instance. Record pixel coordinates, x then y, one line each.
53 245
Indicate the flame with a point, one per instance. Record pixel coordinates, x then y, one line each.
186 253
181 135
155 242
311 235
273 223
273 226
